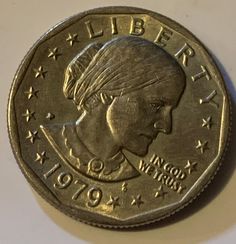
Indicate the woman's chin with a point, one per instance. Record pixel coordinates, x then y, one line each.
140 150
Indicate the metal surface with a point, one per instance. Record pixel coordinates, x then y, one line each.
118 117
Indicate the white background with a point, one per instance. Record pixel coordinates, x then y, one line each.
26 218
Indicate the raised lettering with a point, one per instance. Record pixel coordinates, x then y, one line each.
202 74
52 171
180 189
181 175
209 99
157 160
114 30
143 166
137 27
150 170
94 196
80 189
157 173
163 36
185 52
63 180
175 185
92 33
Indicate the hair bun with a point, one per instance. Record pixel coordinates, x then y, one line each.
77 67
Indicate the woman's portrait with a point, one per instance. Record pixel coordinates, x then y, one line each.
125 91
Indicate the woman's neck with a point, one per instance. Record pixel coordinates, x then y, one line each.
94 132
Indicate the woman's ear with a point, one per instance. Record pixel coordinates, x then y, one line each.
106 99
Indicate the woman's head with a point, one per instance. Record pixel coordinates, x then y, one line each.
141 81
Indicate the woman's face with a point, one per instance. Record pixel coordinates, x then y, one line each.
135 119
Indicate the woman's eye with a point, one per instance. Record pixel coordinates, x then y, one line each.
155 106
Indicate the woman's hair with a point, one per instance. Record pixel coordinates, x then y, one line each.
120 66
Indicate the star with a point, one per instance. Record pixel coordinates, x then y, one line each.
41 157
32 136
207 122
160 192
191 166
113 201
31 93
40 72
202 146
72 38
50 116
137 200
124 187
54 53
28 115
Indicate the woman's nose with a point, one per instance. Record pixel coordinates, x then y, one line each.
164 122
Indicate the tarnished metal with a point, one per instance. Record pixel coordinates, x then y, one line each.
118 117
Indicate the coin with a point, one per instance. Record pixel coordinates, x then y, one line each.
118 117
